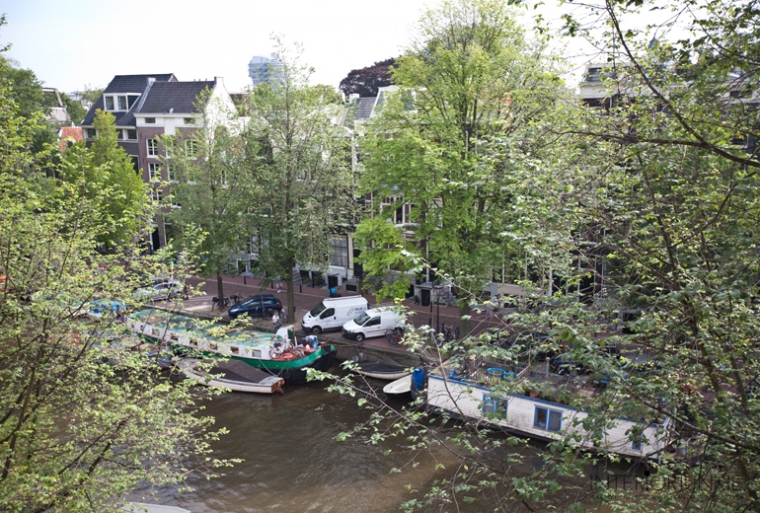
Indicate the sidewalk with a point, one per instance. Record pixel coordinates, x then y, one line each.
306 298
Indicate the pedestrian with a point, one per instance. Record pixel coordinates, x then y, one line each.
276 321
278 284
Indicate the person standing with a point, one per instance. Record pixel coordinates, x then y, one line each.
276 321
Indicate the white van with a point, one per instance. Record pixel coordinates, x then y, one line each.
332 313
373 323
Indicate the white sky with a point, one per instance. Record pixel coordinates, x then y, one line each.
73 43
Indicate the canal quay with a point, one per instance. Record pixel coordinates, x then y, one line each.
291 460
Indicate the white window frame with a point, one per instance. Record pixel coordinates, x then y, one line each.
154 172
126 136
152 146
191 148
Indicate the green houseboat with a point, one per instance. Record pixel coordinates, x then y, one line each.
278 354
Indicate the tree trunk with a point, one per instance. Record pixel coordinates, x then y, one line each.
219 285
291 294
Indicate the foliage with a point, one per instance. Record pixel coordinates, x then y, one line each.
106 175
469 77
76 110
300 161
76 433
212 189
366 81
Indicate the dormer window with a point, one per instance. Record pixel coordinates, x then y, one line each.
121 102
150 121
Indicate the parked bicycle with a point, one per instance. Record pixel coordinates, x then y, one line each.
394 336
220 302
449 334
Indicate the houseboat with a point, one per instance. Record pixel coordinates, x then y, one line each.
278 354
537 403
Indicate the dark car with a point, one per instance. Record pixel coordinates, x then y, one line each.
256 306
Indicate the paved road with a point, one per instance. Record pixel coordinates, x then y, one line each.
306 298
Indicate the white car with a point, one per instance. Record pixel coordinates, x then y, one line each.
166 290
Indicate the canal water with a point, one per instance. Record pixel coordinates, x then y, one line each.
292 462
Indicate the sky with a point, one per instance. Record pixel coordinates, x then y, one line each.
71 44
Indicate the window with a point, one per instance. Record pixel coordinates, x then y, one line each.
234 350
91 133
191 147
131 135
375 321
637 445
551 420
169 175
494 407
188 121
121 102
151 121
339 251
109 103
154 172
152 147
155 195
120 135
327 313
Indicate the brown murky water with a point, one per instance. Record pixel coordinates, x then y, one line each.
293 464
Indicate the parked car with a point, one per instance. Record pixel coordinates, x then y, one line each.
259 305
165 290
374 322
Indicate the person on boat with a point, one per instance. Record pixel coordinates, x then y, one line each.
311 340
276 320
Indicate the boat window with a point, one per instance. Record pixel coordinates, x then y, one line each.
545 418
318 309
257 353
494 407
327 313
213 346
234 350
193 342
174 337
362 319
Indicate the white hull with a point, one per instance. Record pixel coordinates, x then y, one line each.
401 386
268 385
383 375
520 414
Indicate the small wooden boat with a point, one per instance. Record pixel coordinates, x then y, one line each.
387 369
234 375
401 386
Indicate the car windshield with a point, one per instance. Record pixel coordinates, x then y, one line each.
250 301
361 319
318 309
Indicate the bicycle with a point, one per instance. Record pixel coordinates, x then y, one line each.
220 303
394 336
236 298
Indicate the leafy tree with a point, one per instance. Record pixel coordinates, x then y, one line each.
470 76
300 161
76 110
367 81
108 177
76 434
211 191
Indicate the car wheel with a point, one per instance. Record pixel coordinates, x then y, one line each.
316 330
360 337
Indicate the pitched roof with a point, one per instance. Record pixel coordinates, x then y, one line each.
125 84
365 107
176 97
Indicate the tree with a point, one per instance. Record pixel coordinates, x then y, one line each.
108 178
211 194
300 161
76 434
367 81
471 76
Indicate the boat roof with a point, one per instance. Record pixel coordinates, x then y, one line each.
199 329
